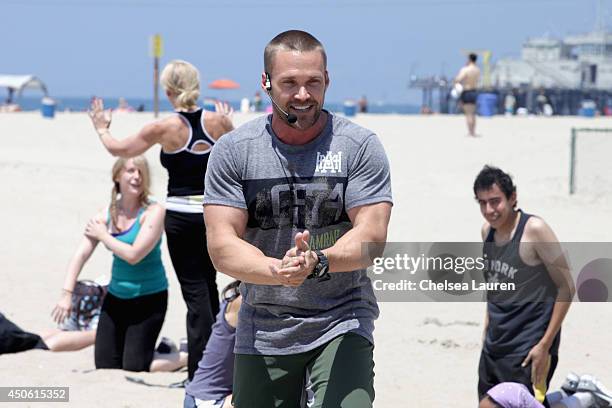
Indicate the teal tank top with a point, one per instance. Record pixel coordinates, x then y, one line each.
146 277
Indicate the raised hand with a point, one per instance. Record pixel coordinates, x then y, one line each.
224 108
100 118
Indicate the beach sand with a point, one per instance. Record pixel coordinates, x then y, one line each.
56 175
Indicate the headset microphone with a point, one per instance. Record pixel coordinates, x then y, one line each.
291 118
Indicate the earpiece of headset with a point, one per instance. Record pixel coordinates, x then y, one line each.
268 83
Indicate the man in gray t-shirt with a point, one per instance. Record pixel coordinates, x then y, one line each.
289 199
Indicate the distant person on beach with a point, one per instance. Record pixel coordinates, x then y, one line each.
186 139
425 110
289 199
523 326
134 308
9 104
13 107
257 102
123 107
468 77
245 105
543 104
363 104
509 104
10 95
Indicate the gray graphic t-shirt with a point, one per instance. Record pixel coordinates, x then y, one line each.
287 189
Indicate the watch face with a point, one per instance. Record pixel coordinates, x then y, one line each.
324 275
318 269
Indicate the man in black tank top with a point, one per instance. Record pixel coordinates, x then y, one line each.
522 326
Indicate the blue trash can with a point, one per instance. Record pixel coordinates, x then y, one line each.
48 108
350 108
588 108
486 104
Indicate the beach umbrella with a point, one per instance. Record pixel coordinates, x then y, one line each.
224 84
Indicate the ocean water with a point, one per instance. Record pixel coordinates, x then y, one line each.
82 103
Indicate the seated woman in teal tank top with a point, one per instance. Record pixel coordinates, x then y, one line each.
135 307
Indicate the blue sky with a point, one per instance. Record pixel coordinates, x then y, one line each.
101 47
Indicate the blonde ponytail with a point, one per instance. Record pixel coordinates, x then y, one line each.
182 80
188 99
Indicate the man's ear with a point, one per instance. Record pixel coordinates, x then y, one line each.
266 83
326 80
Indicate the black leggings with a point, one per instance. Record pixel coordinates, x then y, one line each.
186 238
128 329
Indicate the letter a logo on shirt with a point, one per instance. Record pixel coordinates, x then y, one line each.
329 162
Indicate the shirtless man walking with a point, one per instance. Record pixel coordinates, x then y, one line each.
468 77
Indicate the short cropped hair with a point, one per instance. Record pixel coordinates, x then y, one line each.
490 175
292 40
473 57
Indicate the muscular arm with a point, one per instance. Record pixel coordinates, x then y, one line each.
231 254
370 223
150 232
135 144
551 254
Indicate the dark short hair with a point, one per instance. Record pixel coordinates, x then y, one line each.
490 175
473 57
292 40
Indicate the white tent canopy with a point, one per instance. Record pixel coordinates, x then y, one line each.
20 82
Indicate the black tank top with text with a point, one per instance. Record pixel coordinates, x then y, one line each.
186 166
517 319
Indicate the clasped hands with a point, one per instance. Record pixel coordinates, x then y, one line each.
297 264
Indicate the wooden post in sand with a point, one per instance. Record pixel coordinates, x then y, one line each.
156 48
572 187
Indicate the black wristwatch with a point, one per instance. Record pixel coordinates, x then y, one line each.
321 269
